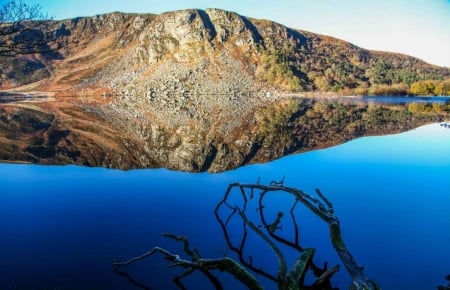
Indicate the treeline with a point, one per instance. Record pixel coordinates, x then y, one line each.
430 108
277 69
428 88
304 123
419 88
308 62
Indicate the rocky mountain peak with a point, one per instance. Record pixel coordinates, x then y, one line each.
192 31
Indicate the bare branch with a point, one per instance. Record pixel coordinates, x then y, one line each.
224 225
295 245
326 276
225 212
194 254
325 212
282 268
300 267
204 265
23 29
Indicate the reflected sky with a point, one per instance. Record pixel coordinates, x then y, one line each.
62 226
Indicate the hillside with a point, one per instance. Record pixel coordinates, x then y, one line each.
216 42
193 90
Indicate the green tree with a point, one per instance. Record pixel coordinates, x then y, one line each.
277 69
406 77
381 73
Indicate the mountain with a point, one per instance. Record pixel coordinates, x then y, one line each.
123 52
192 90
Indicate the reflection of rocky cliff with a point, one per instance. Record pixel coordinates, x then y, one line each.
61 133
191 90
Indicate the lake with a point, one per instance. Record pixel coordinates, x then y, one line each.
63 226
401 100
392 100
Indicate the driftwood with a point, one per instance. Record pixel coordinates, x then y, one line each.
244 269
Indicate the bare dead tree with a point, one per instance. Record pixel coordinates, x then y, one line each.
244 269
23 29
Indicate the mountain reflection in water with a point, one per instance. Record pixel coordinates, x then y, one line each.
62 227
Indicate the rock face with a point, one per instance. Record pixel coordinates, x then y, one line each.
187 90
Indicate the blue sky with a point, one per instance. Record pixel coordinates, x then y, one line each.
417 27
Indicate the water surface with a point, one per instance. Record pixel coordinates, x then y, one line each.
402 100
63 226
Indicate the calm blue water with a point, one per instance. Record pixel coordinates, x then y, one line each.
62 227
404 99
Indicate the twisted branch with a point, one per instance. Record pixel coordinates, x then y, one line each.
203 265
225 212
321 207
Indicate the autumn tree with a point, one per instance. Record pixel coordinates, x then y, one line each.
424 88
442 88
